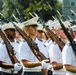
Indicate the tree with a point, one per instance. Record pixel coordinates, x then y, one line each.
42 9
9 7
0 5
26 6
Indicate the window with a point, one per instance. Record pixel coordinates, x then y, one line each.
72 2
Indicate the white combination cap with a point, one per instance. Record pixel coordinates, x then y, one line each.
30 22
40 27
73 28
8 26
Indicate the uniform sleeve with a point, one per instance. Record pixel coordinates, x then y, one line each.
53 53
23 51
2 52
67 55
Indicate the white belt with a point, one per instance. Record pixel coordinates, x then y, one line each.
8 71
32 70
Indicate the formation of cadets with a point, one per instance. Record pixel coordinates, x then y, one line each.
58 61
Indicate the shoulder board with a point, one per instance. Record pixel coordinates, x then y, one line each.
48 40
45 46
68 44
22 40
2 42
17 42
54 43
40 40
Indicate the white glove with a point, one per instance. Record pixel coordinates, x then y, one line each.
17 67
45 63
49 67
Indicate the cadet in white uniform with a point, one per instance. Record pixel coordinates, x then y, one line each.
40 40
55 54
5 62
56 59
32 66
40 32
69 60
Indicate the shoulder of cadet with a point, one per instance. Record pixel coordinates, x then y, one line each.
23 41
2 43
40 40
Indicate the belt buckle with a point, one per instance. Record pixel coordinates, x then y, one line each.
11 71
38 70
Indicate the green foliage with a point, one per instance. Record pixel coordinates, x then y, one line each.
25 6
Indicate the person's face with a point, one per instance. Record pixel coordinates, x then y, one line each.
32 30
17 34
10 33
74 33
40 34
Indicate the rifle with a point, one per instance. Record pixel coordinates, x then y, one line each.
9 47
22 19
72 42
53 36
69 18
73 12
33 46
17 20
10 50
66 31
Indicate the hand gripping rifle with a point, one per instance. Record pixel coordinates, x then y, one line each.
33 46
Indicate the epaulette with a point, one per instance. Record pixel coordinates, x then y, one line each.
1 42
40 40
54 43
45 45
22 40
17 42
68 44
48 40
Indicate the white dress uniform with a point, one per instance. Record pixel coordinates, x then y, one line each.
68 57
48 43
26 54
56 55
5 57
42 47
